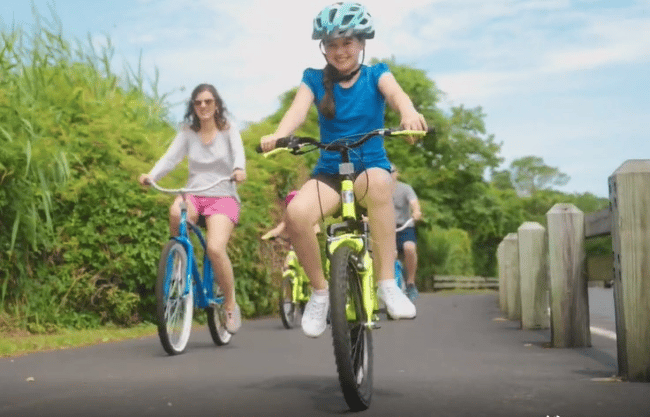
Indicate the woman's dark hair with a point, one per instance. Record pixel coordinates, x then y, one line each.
219 115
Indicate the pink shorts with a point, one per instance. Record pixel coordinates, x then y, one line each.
290 197
207 206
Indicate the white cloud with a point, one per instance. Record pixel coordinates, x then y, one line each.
528 53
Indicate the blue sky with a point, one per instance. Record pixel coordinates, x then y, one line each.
565 80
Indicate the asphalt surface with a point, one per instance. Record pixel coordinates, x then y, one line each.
459 357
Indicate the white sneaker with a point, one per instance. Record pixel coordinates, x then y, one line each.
397 303
314 319
233 320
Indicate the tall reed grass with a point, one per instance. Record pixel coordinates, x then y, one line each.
53 99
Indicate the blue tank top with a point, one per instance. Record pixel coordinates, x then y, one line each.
359 109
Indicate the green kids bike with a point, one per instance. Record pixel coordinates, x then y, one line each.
294 290
353 290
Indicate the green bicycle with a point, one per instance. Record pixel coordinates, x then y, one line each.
294 290
353 290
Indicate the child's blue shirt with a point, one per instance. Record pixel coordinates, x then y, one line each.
359 109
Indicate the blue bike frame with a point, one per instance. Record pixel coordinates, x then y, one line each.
205 297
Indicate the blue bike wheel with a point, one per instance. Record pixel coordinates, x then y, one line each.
174 299
217 319
399 275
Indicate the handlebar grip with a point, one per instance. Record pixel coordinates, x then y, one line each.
280 143
283 142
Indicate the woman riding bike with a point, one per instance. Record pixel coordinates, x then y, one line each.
214 149
350 99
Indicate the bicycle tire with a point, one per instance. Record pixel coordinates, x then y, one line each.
217 320
352 339
174 308
290 312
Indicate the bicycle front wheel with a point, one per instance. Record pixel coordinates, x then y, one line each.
217 319
290 312
174 299
352 338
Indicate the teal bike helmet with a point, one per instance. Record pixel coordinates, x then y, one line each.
343 20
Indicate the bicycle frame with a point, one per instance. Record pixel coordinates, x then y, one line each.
203 282
297 288
358 242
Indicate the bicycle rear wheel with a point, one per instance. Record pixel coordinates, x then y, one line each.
290 312
174 299
217 319
352 338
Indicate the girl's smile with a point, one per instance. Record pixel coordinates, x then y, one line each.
343 53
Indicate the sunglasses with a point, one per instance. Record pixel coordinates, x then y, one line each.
207 102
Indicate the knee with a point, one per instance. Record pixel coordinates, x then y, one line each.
217 252
410 249
174 213
296 219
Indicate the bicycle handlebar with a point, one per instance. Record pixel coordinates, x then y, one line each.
186 190
409 223
294 143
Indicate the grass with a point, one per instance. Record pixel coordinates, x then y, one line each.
16 344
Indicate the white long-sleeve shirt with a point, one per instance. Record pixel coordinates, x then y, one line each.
207 163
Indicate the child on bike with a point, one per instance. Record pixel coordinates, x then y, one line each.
214 149
350 99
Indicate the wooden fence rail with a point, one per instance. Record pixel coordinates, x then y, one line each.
447 282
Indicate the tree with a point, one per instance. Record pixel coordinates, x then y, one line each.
530 173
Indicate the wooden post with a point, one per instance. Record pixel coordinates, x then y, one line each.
511 261
629 193
534 276
566 257
501 266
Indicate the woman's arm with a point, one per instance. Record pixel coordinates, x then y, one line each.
292 119
239 156
175 154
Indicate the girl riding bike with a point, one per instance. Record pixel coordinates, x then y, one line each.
350 98
214 149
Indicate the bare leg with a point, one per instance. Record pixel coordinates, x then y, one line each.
219 230
410 261
175 215
302 214
374 191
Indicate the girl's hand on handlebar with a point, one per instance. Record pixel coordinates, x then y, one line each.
238 175
145 179
267 143
413 121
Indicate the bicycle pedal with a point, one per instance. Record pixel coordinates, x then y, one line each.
373 325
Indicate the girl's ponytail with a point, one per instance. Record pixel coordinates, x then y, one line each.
327 106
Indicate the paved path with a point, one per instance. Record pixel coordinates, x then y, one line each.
458 358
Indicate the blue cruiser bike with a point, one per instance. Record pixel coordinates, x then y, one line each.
180 286
353 290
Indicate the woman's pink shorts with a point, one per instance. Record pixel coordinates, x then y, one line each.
207 206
